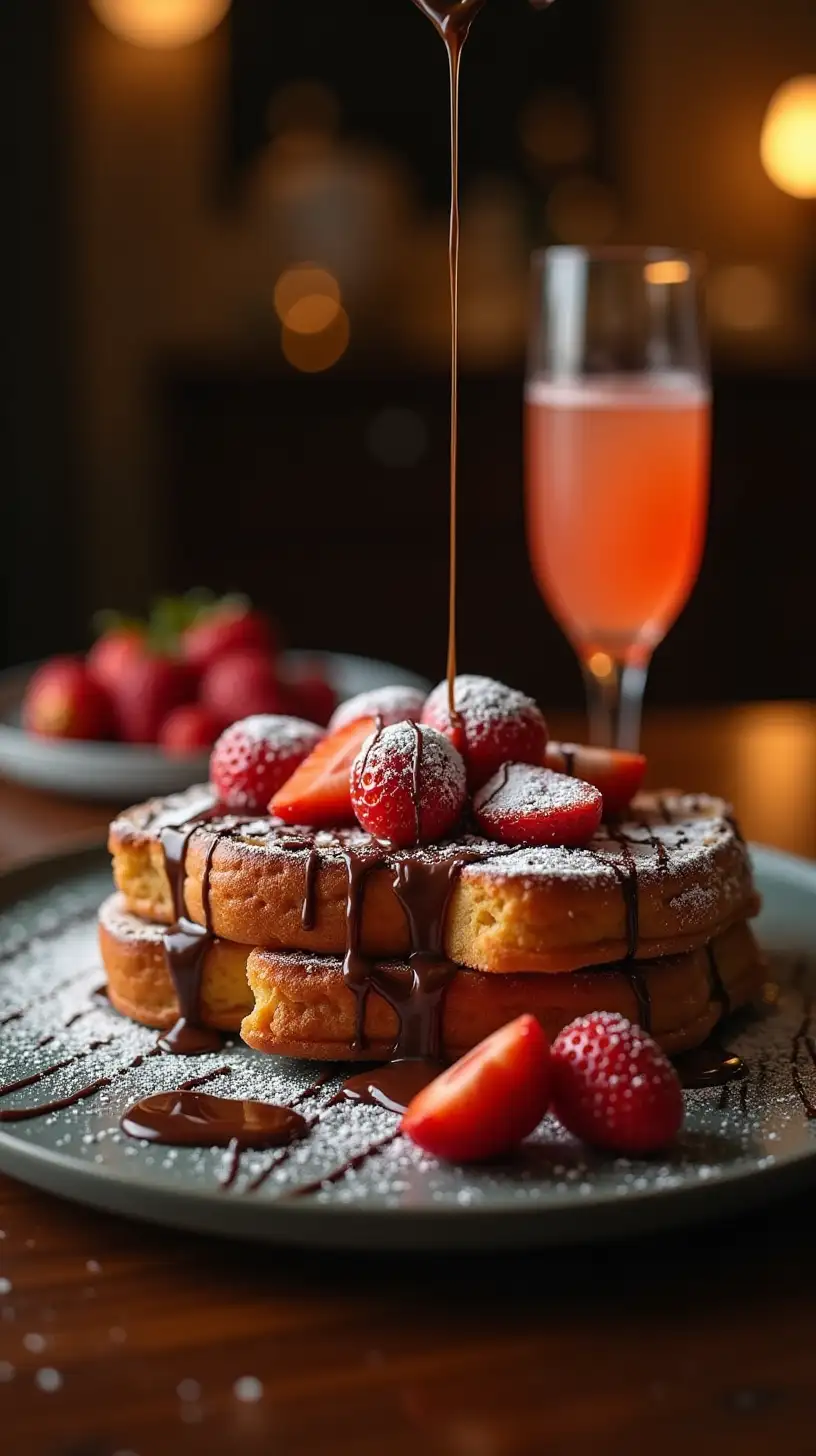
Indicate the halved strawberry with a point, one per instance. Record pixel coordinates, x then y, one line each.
487 1103
618 775
523 804
319 791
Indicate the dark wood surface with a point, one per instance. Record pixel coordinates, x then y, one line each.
696 1341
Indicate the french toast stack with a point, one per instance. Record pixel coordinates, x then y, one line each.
324 941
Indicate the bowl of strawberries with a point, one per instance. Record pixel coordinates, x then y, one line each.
138 713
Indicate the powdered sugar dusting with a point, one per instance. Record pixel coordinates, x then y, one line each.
391 704
521 789
280 733
482 702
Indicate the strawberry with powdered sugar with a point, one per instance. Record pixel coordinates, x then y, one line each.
408 785
530 806
254 758
493 724
397 704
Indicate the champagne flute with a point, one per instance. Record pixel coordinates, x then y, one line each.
617 446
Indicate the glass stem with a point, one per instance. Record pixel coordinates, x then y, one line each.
615 691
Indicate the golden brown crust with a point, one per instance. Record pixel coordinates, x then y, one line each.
537 910
139 983
303 1008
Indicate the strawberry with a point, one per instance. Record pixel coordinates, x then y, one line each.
319 791
493 724
408 785
63 700
241 685
613 1086
147 694
110 658
308 694
225 629
187 730
526 805
255 756
618 775
398 704
487 1103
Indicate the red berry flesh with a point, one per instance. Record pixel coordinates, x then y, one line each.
487 1103
614 1087
254 757
494 724
408 785
526 805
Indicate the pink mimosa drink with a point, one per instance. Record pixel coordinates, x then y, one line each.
617 486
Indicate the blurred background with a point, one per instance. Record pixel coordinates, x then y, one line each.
226 323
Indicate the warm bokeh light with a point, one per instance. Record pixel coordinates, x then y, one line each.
788 145
162 24
311 353
744 296
307 298
581 209
601 665
667 270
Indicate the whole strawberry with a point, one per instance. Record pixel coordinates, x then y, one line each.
613 1086
187 730
226 629
147 694
241 685
408 785
493 725
62 700
254 757
109 660
308 693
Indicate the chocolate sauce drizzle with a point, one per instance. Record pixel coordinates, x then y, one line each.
350 1166
80 1094
803 1041
186 943
197 1119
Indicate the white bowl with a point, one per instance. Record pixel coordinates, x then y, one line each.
126 773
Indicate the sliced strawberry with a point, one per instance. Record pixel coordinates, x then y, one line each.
487 1103
522 804
618 775
319 791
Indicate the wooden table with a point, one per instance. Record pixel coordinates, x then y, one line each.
161 1342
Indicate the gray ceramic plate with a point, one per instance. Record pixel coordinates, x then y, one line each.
122 772
741 1144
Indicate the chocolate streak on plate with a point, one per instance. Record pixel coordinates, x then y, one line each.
34 1077
709 1065
24 1114
802 1040
350 1166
